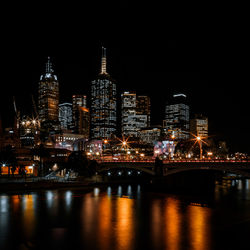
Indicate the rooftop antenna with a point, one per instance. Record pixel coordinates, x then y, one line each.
49 66
104 61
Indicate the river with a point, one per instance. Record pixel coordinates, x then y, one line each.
126 217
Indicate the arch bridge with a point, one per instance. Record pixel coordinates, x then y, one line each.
241 167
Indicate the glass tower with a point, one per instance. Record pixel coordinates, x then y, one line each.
103 104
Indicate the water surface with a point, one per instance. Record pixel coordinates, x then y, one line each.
126 217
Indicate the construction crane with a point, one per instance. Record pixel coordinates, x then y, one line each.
34 107
17 112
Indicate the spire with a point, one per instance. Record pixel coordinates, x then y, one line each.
49 66
104 61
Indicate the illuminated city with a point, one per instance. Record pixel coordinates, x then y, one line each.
123 126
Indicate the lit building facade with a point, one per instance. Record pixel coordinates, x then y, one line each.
199 126
177 116
65 115
150 135
143 107
84 122
103 104
81 115
29 131
135 113
48 97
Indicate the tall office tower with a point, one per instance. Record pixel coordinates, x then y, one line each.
135 113
48 97
84 122
177 116
103 104
128 105
199 126
78 102
65 115
143 107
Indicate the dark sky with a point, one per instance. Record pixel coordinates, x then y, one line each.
152 49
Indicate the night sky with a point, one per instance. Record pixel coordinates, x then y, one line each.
151 49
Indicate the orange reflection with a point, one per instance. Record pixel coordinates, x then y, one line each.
15 203
172 220
199 227
88 213
125 223
156 222
105 220
28 214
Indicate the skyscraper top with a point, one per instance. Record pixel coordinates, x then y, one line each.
49 66
104 62
49 72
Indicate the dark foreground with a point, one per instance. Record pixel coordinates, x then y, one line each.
126 217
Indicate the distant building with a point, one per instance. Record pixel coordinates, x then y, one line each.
84 122
81 115
29 131
150 135
77 101
177 116
69 141
103 104
65 115
135 113
143 107
199 126
48 98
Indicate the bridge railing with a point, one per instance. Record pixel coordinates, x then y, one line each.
174 161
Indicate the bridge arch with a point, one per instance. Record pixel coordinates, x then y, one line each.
119 168
219 169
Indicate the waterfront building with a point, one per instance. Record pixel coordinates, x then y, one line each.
65 115
135 113
103 104
177 116
199 126
150 135
48 98
69 141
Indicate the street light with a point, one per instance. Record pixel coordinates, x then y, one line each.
198 139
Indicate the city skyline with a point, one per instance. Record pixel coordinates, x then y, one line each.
183 51
157 115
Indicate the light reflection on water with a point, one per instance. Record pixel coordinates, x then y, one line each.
121 217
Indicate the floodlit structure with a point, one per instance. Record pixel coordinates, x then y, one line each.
29 131
48 97
103 104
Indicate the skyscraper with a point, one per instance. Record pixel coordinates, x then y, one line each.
65 115
135 113
103 103
199 126
78 102
143 107
177 116
48 97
